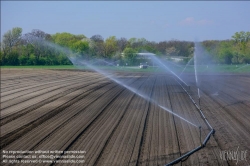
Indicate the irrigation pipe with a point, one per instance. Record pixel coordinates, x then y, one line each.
212 131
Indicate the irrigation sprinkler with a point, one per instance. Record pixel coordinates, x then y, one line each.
203 144
212 131
192 151
208 137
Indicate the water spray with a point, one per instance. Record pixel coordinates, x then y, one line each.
186 65
175 64
178 116
212 131
202 144
75 60
195 71
163 65
241 67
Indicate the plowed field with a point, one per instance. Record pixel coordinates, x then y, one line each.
70 110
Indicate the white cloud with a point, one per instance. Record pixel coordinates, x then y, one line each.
187 21
204 22
166 25
160 23
192 21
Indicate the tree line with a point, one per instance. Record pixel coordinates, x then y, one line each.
40 48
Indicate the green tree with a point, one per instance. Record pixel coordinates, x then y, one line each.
1 58
96 46
132 42
241 38
11 40
130 55
32 60
80 47
12 58
225 53
66 39
76 43
63 60
172 51
110 47
37 41
63 39
23 60
121 44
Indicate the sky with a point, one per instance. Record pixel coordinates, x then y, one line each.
153 20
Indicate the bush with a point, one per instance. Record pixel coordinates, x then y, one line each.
42 61
31 60
1 58
23 60
226 57
130 56
63 60
12 58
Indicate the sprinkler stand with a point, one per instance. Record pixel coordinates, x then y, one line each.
203 144
200 135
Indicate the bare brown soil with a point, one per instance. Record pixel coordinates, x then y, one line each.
75 110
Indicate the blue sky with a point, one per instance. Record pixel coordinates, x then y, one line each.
155 21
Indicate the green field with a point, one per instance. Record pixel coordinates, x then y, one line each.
110 68
243 68
177 69
42 67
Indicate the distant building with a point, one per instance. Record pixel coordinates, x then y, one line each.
176 58
144 55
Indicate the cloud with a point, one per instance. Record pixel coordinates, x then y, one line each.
160 23
187 21
166 25
152 22
192 21
204 22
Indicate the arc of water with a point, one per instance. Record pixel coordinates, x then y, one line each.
195 70
137 92
186 65
77 60
241 67
163 65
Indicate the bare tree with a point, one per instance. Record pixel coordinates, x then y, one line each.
37 39
97 47
97 38
122 43
11 39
